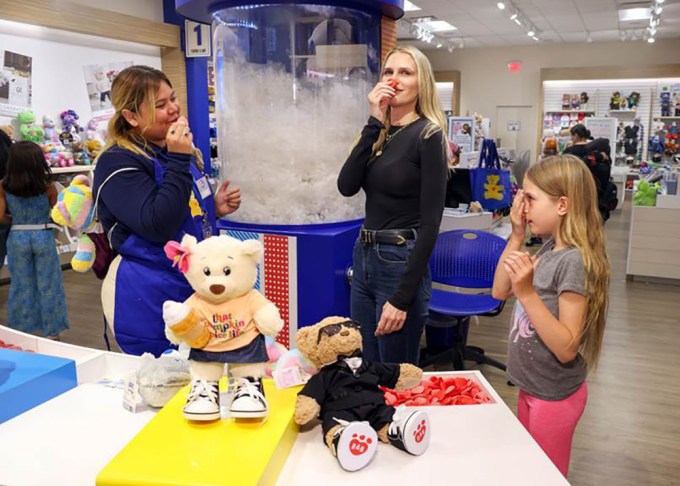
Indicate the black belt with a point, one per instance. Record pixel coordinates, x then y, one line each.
387 237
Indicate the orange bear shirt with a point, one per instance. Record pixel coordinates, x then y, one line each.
232 324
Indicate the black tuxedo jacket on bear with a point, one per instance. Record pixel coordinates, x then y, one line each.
337 387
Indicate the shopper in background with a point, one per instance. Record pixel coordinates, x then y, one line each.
400 161
5 144
580 136
562 296
150 191
37 303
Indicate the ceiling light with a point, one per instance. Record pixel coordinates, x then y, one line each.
514 16
518 21
501 5
531 33
410 7
535 38
438 26
651 40
658 10
630 14
439 45
659 1
451 48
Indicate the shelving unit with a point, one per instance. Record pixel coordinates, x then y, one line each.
73 169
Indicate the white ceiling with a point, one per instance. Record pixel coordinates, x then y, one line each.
482 24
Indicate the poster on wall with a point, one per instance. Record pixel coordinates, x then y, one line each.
98 78
461 131
604 127
15 82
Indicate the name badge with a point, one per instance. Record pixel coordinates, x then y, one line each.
204 187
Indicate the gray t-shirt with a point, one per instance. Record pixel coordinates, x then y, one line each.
531 365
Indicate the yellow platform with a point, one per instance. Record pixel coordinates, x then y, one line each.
173 451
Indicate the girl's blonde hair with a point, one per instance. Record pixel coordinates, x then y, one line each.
132 88
582 227
428 105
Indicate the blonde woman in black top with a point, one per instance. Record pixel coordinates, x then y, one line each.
400 161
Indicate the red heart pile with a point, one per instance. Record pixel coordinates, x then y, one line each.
5 345
436 391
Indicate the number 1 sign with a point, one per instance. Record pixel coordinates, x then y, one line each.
197 39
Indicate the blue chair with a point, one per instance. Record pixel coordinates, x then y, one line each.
461 259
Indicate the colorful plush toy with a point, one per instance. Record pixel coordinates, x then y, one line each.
28 129
50 129
75 209
80 154
345 394
224 321
584 100
550 147
646 193
70 128
615 101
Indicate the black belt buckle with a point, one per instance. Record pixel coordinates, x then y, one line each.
367 236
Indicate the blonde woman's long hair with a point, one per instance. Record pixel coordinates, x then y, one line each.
132 88
582 227
428 105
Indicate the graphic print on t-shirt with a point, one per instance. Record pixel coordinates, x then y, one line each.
521 324
225 326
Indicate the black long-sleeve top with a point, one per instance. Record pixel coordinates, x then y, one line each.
405 188
134 201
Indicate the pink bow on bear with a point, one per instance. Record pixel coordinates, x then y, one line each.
178 254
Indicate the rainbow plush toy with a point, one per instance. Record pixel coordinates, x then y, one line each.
75 209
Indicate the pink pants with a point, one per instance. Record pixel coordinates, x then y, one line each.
552 423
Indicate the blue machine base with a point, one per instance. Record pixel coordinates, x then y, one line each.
324 254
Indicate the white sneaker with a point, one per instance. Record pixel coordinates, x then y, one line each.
355 445
410 431
249 401
203 402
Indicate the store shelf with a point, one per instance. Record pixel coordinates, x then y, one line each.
619 112
72 170
667 117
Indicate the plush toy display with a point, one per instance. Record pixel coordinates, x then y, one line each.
584 100
566 101
75 209
615 101
50 129
224 321
80 154
345 395
631 135
28 129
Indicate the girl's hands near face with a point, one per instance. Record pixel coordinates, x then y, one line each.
379 99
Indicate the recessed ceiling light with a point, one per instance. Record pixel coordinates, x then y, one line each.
501 5
514 16
439 46
651 40
531 33
438 26
630 14
658 10
410 7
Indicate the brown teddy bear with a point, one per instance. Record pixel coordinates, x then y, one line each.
345 395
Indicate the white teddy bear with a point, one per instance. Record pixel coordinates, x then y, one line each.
224 321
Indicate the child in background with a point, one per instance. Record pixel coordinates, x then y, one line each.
37 303
562 296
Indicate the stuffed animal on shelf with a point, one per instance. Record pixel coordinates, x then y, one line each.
94 142
75 209
646 193
28 129
665 99
51 132
631 134
633 100
566 101
615 101
575 102
224 321
69 128
677 105
671 145
584 100
345 394
80 154
655 145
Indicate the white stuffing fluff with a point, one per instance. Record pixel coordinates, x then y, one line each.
285 146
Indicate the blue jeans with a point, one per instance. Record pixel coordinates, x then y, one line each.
377 272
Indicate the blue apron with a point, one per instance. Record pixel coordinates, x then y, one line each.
146 279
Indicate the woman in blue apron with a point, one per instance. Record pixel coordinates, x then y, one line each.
149 192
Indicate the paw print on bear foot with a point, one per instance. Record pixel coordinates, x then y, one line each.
421 430
359 444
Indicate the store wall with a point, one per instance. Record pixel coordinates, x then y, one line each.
146 9
486 83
